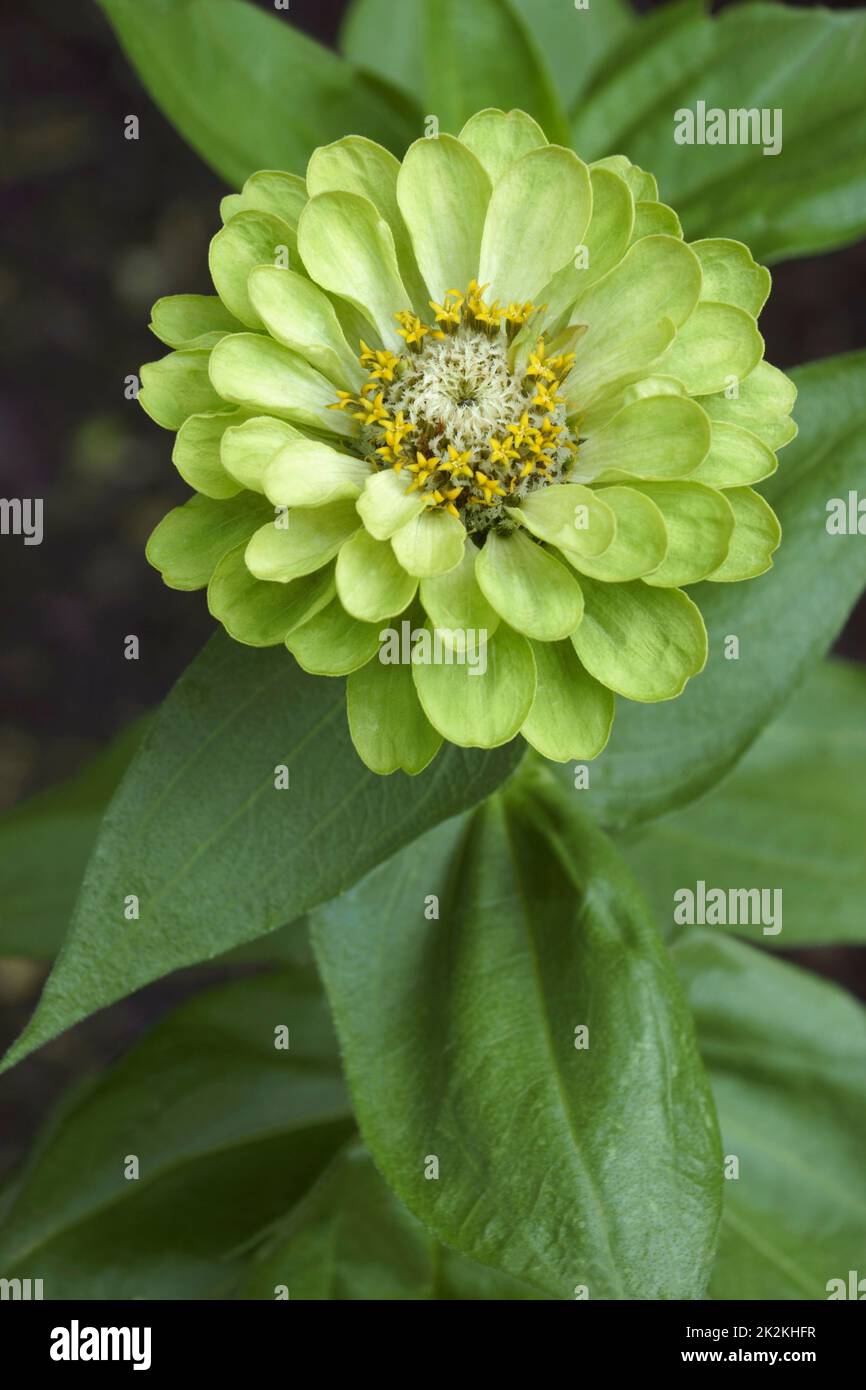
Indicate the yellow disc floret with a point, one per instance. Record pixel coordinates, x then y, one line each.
456 416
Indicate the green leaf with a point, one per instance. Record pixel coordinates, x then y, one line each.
576 41
790 818
247 91
805 63
460 58
458 975
44 847
228 1131
214 851
387 40
350 1238
787 1058
661 757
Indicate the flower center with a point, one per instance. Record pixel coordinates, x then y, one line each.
465 413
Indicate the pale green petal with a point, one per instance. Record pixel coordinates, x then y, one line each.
432 543
699 524
192 320
385 505
640 543
762 402
631 315
642 185
756 537
333 643
604 245
572 713
655 219
247 449
356 328
196 453
608 404
658 278
736 458
454 602
388 726
301 541
537 217
653 386
178 386
301 317
348 249
643 643
569 516
260 614
615 361
531 588
250 239
269 190
443 192
262 375
371 582
611 225
499 138
719 345
305 473
732 275
654 437
481 705
190 541
358 165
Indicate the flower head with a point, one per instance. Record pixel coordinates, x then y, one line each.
463 429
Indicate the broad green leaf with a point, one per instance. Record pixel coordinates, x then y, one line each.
786 1054
228 1130
484 54
790 818
350 1238
804 64
460 977
576 41
248 91
44 847
661 757
59 827
458 58
214 849
388 39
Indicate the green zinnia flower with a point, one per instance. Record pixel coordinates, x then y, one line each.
485 406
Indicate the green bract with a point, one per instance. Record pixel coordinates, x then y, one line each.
463 429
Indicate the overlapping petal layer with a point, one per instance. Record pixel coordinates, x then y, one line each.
462 429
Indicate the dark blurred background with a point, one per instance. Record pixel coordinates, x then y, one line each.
93 230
